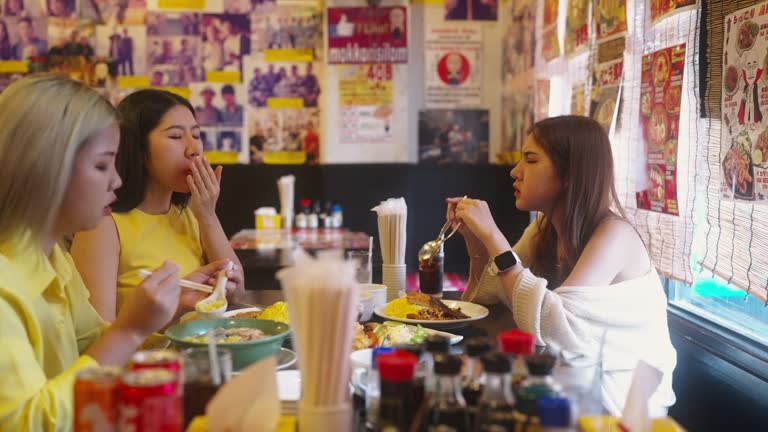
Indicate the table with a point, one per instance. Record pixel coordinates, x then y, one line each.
264 252
499 317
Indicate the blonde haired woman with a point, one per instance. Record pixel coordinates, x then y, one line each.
58 161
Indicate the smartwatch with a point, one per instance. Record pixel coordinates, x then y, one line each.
503 262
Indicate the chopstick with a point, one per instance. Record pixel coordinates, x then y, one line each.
185 283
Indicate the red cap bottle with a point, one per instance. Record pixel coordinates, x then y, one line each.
397 366
516 342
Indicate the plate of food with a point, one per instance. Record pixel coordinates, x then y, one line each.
422 309
389 333
748 33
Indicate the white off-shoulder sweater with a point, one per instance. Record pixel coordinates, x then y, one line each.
632 313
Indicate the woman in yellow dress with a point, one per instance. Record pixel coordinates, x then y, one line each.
166 208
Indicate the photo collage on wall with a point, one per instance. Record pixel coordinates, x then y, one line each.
197 49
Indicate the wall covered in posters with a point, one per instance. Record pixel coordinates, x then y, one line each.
660 96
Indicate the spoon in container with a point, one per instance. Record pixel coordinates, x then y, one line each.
214 306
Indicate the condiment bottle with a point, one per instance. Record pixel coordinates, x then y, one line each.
372 390
474 377
537 385
517 345
302 218
434 344
447 408
420 373
494 412
555 415
396 372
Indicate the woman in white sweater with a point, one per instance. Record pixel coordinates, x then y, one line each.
580 269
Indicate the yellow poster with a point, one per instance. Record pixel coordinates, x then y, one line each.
365 102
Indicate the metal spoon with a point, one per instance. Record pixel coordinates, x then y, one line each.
430 248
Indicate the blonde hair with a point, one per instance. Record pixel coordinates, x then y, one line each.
45 121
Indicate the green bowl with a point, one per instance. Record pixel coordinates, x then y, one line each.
243 353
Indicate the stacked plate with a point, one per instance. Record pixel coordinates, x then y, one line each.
289 391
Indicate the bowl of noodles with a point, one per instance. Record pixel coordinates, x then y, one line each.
249 339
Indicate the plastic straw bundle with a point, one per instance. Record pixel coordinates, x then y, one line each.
322 299
392 219
285 189
393 215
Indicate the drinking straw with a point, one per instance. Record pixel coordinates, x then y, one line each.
213 357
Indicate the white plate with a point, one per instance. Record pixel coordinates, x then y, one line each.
362 358
286 358
474 311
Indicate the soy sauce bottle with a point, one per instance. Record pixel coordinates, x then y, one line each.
396 373
447 408
474 378
419 374
494 412
435 345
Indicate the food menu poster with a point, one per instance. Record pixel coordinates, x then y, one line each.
606 82
365 104
744 132
610 18
452 55
550 43
660 95
364 35
577 26
661 9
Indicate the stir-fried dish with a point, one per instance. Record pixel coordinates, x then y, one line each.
421 306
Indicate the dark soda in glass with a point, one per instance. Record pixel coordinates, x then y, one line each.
431 275
197 394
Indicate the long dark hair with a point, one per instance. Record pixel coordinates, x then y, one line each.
581 154
140 113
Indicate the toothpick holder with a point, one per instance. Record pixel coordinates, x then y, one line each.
393 277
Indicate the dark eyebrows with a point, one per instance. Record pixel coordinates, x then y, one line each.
180 127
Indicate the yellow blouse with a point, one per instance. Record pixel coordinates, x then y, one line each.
147 240
47 323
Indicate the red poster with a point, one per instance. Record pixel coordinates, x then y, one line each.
363 35
661 9
660 94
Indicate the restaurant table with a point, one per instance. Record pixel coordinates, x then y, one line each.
498 320
263 252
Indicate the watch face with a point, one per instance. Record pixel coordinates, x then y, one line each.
505 261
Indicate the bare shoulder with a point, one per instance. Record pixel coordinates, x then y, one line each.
618 236
104 237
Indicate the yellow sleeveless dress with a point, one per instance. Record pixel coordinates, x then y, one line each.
147 240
